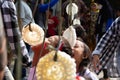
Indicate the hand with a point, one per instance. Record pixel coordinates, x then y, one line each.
95 61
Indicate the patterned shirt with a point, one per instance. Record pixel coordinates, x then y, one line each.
11 28
107 48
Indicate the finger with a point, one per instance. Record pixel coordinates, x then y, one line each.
95 62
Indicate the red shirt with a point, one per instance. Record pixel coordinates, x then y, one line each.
52 26
37 49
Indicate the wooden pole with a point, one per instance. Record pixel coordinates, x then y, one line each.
18 67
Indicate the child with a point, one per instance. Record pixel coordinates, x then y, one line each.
81 53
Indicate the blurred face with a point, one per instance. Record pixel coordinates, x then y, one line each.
94 6
49 13
78 51
53 40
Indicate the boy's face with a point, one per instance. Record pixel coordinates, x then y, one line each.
49 13
94 6
53 40
78 51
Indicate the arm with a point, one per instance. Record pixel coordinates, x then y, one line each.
107 45
12 29
44 7
3 56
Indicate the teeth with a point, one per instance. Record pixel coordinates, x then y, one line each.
62 69
33 37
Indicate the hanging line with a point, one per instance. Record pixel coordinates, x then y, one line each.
59 31
35 7
18 66
70 10
43 41
46 27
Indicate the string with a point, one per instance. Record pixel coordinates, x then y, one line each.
34 10
18 66
59 32
70 13
46 24
70 9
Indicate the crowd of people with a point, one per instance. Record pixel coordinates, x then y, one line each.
97 37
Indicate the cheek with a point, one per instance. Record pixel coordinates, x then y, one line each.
78 59
77 55
78 51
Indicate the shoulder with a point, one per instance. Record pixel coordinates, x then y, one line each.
6 1
117 19
116 24
8 4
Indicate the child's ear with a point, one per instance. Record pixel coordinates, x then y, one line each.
84 56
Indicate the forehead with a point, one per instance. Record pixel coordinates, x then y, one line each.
53 38
79 42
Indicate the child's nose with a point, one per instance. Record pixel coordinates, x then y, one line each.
72 48
73 51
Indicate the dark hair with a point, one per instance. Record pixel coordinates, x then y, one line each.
118 9
86 60
107 10
66 47
51 10
80 32
86 53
